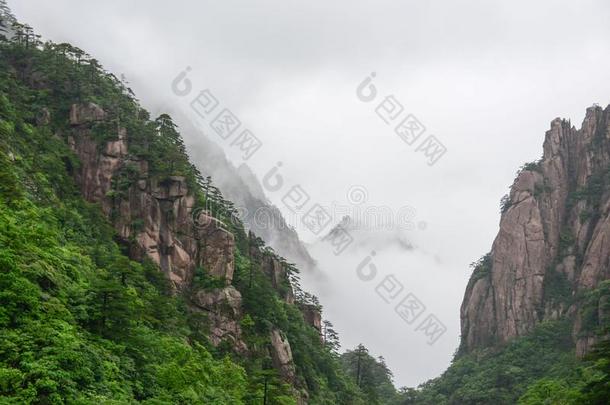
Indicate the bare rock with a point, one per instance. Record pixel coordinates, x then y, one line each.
86 114
312 316
289 296
281 354
96 169
225 301
276 272
273 268
155 213
223 307
171 188
118 148
157 218
216 247
549 223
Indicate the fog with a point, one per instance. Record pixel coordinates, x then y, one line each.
484 77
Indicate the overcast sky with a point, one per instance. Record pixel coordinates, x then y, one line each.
485 77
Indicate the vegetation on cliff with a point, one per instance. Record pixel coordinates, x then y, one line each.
541 368
81 322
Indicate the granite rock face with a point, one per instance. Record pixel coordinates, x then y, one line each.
223 307
275 269
281 354
81 114
157 213
554 230
312 316
156 218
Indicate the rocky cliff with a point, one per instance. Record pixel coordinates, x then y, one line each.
157 219
99 203
554 240
155 213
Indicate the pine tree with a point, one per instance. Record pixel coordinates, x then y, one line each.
7 19
330 337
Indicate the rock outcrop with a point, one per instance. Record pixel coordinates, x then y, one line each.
276 271
313 316
554 239
223 307
281 354
157 219
156 213
81 114
273 268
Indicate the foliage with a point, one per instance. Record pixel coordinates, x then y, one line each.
481 268
503 375
549 391
372 376
80 322
543 188
540 368
597 185
535 166
557 287
590 381
595 310
505 203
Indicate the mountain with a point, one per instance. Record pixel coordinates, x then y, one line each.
126 276
553 245
536 311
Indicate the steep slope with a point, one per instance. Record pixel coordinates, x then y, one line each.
126 276
553 244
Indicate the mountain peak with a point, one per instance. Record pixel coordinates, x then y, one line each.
553 227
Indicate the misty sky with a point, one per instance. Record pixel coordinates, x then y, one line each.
485 77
